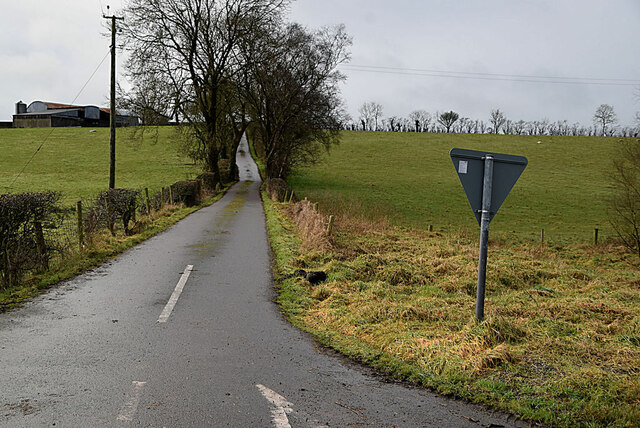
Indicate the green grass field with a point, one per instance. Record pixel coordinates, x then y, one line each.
75 161
410 180
560 342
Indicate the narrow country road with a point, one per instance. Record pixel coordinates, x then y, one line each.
182 331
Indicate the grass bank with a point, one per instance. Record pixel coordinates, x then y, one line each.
75 161
409 180
560 343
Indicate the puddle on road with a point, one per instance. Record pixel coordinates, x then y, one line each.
204 248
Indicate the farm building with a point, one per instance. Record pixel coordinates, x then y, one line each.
40 114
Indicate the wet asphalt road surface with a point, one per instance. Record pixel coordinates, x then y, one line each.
109 349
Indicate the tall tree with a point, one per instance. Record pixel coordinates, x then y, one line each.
604 116
448 119
191 49
497 119
420 119
147 100
370 114
293 95
519 127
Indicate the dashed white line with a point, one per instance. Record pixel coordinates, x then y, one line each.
164 316
280 407
131 407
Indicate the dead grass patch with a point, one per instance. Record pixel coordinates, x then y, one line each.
311 224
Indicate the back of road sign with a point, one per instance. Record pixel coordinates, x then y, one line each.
469 165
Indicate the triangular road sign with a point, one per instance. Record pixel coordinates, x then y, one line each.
469 165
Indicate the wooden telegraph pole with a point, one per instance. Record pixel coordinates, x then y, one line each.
112 107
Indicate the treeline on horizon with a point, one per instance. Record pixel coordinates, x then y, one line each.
371 119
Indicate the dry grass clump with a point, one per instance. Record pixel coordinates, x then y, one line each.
311 224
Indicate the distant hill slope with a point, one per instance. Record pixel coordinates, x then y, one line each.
409 179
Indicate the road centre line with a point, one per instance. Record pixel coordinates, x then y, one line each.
164 316
130 408
280 407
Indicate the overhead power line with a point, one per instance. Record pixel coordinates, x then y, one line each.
492 76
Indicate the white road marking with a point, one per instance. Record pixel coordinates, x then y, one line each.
280 407
131 407
164 316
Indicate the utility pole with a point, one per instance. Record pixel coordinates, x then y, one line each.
112 107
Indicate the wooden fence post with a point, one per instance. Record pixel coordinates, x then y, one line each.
109 221
170 195
80 226
595 236
330 225
41 246
542 237
146 199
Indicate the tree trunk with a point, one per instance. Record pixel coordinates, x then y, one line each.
213 155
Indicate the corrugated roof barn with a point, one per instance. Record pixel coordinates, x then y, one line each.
42 114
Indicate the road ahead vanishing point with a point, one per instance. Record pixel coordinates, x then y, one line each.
182 331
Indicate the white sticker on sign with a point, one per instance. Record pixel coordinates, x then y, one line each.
462 167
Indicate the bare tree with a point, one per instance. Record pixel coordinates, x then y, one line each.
625 200
370 114
293 94
421 119
466 125
563 127
366 116
519 127
507 127
604 116
543 126
497 119
190 48
447 119
395 124
575 129
149 101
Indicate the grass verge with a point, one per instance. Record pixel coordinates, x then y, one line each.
560 343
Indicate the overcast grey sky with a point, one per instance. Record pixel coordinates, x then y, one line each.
492 53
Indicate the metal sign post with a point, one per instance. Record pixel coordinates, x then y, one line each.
487 179
485 219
